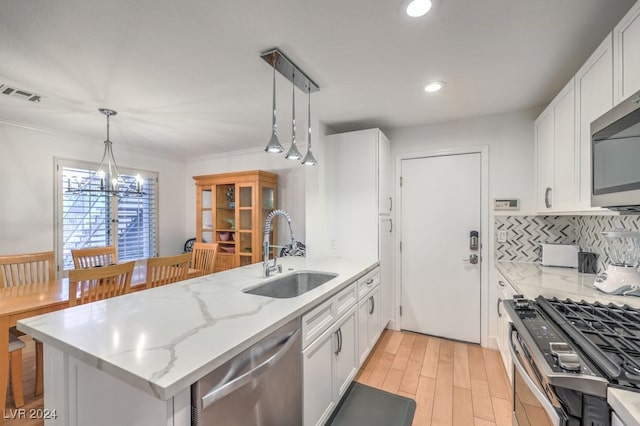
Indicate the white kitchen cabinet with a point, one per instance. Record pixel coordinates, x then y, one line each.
594 97
330 353
626 55
317 372
504 292
329 365
360 206
369 323
555 153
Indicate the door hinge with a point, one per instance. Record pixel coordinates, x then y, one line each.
400 180
401 246
400 310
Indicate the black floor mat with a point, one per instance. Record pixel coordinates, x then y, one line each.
366 406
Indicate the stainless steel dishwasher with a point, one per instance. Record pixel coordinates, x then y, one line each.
261 386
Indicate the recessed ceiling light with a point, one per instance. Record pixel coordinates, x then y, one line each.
434 86
416 8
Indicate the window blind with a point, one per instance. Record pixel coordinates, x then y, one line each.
94 220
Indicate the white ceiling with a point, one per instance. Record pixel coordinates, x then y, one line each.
187 79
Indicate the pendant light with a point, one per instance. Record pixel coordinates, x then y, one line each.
279 61
107 179
293 153
274 144
309 159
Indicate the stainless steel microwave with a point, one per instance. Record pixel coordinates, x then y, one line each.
615 157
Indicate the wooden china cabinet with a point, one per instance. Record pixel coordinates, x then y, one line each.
230 210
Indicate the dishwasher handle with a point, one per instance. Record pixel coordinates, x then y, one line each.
232 385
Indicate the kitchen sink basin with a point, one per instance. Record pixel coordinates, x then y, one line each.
292 285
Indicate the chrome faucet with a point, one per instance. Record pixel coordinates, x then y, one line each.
268 269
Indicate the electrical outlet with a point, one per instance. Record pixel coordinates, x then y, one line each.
502 236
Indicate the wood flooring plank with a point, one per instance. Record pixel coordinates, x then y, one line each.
482 422
462 407
494 368
392 381
446 351
502 411
461 376
414 365
481 397
476 363
431 356
404 350
394 343
424 401
443 398
379 372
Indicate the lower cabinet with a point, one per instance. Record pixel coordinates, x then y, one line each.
504 292
329 365
369 323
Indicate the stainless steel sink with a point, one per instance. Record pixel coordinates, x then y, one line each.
292 285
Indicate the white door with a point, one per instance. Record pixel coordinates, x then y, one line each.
440 209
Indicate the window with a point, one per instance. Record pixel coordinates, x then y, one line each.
94 220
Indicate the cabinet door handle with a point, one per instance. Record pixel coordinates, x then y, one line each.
547 201
369 281
373 305
337 333
390 225
390 203
498 307
340 331
501 283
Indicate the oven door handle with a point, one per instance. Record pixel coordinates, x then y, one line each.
537 392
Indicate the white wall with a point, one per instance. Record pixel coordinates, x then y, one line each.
27 187
510 139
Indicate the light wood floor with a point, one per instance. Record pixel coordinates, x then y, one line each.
452 383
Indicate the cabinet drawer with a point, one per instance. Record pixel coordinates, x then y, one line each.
368 282
346 299
316 321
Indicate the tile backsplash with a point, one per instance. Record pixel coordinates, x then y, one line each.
525 233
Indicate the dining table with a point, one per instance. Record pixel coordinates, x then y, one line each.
29 300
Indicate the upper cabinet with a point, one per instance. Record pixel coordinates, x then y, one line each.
563 130
555 153
626 55
359 188
594 97
231 209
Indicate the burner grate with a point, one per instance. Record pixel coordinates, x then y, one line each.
610 335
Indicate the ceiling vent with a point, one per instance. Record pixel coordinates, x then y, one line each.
19 93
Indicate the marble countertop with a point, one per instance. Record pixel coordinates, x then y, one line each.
532 280
164 339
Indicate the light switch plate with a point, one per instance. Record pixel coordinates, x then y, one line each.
502 236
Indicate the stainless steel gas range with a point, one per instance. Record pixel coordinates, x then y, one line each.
566 354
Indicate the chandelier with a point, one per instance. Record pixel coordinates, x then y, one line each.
107 180
299 79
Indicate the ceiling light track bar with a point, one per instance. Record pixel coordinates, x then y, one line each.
289 70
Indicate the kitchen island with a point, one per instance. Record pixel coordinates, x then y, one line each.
533 280
132 359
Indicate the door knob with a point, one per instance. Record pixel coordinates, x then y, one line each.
473 259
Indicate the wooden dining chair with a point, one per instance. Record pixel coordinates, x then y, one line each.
203 257
15 370
94 256
90 285
167 270
23 269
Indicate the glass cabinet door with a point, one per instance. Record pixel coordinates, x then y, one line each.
246 226
225 219
206 215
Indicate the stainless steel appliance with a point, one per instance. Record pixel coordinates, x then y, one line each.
260 386
566 354
615 155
